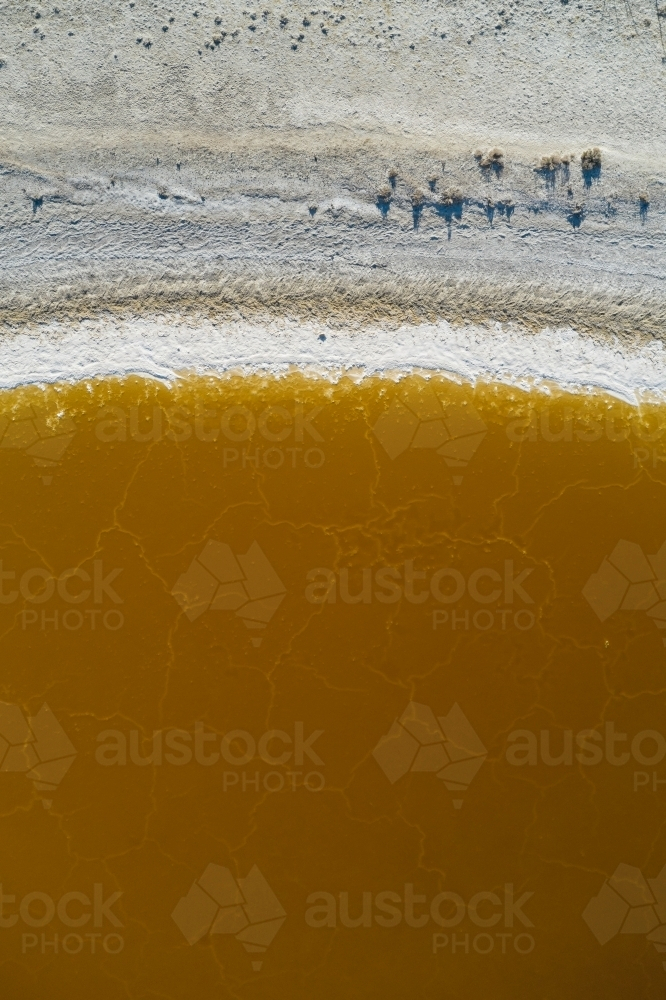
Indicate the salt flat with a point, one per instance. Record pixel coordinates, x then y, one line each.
209 158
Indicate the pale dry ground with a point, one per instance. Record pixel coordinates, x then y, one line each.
153 158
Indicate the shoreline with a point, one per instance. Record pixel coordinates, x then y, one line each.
170 348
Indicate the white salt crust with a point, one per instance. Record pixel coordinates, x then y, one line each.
166 348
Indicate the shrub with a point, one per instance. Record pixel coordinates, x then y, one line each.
494 158
591 159
452 196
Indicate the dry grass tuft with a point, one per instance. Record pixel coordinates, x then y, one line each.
452 196
555 161
591 159
494 157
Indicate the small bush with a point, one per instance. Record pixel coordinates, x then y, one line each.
493 158
548 164
452 196
591 159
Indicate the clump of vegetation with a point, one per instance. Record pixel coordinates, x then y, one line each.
550 166
452 196
591 159
590 162
493 158
644 199
555 161
392 176
432 181
450 206
549 163
383 202
418 199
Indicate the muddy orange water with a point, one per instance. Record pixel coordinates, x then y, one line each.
321 690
